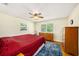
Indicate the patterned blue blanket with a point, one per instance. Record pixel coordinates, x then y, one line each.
50 49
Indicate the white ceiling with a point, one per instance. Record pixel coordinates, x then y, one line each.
48 10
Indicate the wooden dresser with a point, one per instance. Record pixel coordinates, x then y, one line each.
47 36
72 40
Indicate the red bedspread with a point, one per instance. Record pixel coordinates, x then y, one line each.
26 44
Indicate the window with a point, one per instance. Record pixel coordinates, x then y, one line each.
47 27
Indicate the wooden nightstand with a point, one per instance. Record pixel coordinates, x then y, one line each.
47 36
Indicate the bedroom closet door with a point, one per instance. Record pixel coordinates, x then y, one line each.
71 40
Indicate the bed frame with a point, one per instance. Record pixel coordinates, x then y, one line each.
39 49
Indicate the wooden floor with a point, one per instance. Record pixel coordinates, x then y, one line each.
63 52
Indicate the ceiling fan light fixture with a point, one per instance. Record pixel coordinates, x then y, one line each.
35 17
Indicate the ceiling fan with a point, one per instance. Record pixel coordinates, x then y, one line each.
36 15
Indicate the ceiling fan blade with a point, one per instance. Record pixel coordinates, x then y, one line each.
30 13
31 17
40 16
39 13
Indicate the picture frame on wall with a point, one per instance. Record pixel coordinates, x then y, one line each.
23 27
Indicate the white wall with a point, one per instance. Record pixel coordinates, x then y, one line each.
75 16
59 24
58 28
11 26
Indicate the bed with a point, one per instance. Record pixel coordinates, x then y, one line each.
27 44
